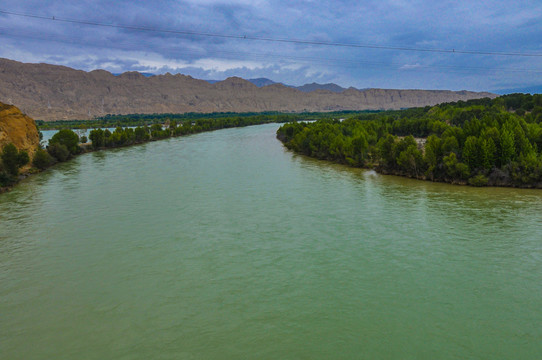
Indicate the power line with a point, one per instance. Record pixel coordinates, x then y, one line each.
265 56
267 39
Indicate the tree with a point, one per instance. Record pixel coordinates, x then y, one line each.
42 159
68 138
13 159
107 137
450 144
471 153
385 150
360 147
433 150
508 149
172 126
59 151
187 127
410 160
141 134
97 138
488 150
478 180
157 132
455 169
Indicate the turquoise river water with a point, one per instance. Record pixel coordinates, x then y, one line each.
224 245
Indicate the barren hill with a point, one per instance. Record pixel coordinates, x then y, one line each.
52 92
17 128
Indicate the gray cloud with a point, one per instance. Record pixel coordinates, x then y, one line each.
497 26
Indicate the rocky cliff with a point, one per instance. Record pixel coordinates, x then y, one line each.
17 128
51 92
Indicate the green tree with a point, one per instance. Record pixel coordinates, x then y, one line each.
471 153
385 150
158 133
455 169
97 138
410 160
42 159
141 134
478 180
360 146
488 150
450 144
508 149
13 159
59 151
68 138
172 126
433 152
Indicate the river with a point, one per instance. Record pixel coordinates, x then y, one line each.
224 245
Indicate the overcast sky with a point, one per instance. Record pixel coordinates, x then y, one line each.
479 26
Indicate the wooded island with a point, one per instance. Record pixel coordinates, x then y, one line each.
478 142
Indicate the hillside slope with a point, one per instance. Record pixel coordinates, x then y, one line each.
51 92
17 128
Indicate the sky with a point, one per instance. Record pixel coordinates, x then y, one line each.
439 44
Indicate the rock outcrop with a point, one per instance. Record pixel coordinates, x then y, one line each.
51 92
17 128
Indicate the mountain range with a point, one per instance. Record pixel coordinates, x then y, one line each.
536 89
261 82
53 92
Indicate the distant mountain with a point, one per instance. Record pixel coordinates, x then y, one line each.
314 86
142 73
52 92
259 82
525 90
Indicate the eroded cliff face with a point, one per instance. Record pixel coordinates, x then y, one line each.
17 128
50 92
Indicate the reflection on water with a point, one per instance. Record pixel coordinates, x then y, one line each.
226 245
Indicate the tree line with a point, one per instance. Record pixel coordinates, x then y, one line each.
66 143
140 134
133 120
479 142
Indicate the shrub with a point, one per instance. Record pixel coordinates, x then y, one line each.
13 159
478 180
59 151
42 159
6 179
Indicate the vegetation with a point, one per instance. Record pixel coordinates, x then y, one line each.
11 160
129 136
113 121
58 152
65 144
479 142
42 160
68 139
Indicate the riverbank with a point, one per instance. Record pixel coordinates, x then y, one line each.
495 179
480 143
232 239
126 137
